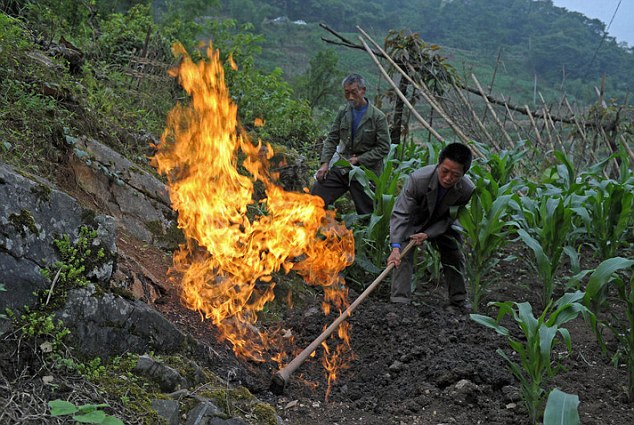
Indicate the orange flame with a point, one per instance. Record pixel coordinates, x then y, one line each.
234 244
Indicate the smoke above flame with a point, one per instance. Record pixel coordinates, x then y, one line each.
236 244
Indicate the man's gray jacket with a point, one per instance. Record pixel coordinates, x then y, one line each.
416 211
371 139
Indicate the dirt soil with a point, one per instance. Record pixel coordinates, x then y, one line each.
422 363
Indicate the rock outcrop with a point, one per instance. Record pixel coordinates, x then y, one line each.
33 214
138 200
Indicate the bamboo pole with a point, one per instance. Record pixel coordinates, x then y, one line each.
401 95
549 123
509 114
535 129
423 90
627 149
495 117
474 116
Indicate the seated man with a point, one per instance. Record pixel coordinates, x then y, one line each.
423 212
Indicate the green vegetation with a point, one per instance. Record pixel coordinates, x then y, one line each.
77 259
487 229
42 327
545 226
535 347
608 214
601 280
561 409
86 413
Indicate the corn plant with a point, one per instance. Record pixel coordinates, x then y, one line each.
546 227
603 277
607 214
502 165
564 179
535 345
486 227
372 233
561 409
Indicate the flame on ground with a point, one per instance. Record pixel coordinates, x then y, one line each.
234 244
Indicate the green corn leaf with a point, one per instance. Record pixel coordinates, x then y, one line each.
566 314
527 320
543 262
565 334
561 409
601 276
546 336
569 298
489 323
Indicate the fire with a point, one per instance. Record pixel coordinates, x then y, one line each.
235 244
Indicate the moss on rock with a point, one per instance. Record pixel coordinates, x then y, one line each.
23 221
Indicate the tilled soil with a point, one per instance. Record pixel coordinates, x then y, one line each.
423 363
427 364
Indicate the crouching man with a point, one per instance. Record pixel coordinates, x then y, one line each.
425 210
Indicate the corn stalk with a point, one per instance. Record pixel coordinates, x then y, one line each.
535 347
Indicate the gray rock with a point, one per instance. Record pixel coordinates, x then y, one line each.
168 379
167 409
396 366
109 325
511 393
138 200
33 213
203 413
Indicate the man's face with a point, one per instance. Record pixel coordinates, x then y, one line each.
449 173
354 95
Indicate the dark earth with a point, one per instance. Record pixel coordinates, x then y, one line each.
423 363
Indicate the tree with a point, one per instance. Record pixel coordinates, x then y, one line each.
320 85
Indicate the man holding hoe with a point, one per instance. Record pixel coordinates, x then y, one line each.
425 210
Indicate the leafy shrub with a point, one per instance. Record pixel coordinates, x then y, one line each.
122 34
77 259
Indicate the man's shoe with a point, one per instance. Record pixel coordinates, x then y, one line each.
463 306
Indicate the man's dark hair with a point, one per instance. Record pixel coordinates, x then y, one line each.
457 152
353 78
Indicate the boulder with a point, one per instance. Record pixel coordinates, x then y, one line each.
138 200
107 325
33 214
